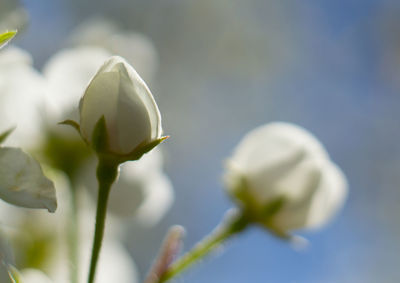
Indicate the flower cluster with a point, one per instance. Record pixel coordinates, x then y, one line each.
280 176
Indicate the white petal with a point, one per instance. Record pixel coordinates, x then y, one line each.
22 91
31 275
135 86
68 73
159 197
100 99
115 264
272 142
136 48
22 181
142 191
329 197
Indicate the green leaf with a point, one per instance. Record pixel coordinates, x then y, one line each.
6 37
100 136
5 134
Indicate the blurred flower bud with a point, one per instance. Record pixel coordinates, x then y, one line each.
284 179
118 114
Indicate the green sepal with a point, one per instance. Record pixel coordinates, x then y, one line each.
4 135
269 211
144 148
6 37
273 207
71 123
100 136
135 154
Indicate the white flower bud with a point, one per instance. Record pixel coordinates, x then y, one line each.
131 115
281 161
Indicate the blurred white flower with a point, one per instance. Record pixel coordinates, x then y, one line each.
143 190
22 91
136 48
281 161
68 73
115 264
130 112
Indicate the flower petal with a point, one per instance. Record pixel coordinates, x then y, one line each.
22 181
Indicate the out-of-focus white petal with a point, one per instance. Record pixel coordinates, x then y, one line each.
115 264
142 191
158 199
136 48
22 181
274 141
22 91
68 73
329 197
31 275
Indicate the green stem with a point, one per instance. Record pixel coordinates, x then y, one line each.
107 173
234 224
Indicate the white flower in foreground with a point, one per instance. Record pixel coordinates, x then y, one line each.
130 113
285 166
22 181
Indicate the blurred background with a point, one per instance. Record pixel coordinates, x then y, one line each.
220 68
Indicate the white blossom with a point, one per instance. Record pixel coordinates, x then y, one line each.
281 161
131 115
